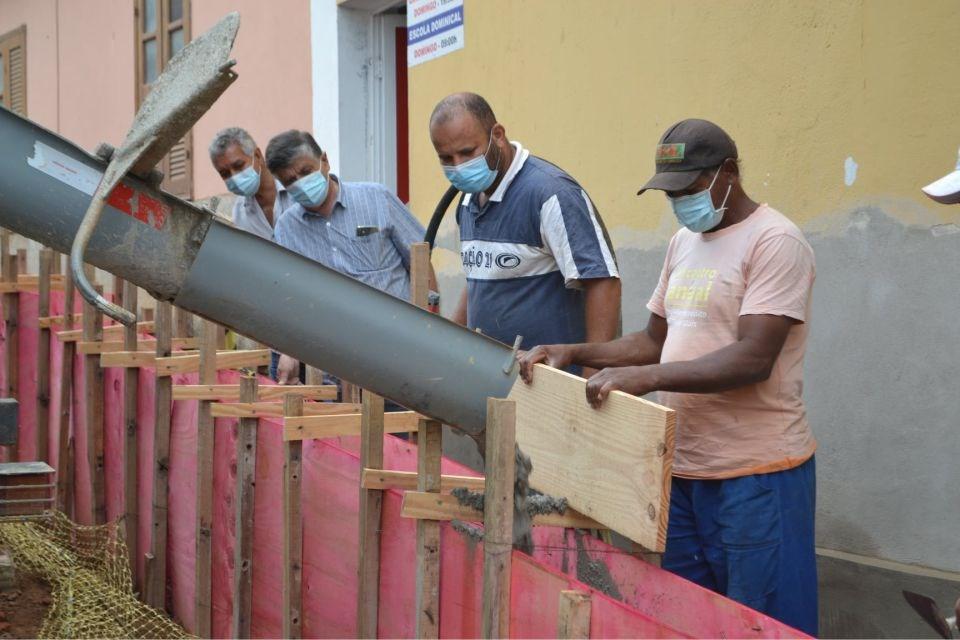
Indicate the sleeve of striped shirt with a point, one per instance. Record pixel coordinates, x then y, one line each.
404 228
571 230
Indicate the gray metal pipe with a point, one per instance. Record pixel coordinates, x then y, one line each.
179 252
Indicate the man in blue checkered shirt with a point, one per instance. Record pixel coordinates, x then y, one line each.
360 229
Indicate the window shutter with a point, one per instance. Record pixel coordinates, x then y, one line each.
18 80
178 169
13 70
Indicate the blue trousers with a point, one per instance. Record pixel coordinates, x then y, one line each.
750 539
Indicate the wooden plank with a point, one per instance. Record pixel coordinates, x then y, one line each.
182 323
64 448
209 336
420 273
131 383
573 618
93 412
26 287
349 424
371 504
419 285
315 378
612 464
43 358
113 332
443 506
243 546
275 409
498 517
407 480
11 314
231 392
161 460
169 366
113 346
292 525
429 450
126 359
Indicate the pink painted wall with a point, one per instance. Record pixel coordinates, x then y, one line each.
273 92
82 86
97 72
40 18
82 82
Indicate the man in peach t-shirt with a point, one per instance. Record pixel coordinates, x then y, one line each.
724 346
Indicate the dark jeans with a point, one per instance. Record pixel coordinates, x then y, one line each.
751 539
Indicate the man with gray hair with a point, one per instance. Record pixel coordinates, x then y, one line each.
261 199
360 229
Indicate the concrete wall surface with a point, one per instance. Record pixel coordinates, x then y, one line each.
841 112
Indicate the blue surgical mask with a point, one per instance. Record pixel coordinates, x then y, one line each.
309 191
244 183
696 211
472 176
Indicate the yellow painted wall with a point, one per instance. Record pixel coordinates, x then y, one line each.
592 84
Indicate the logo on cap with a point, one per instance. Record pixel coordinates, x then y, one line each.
670 152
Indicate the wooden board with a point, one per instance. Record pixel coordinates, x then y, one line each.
94 411
612 464
161 461
113 346
243 529
272 392
384 479
225 360
345 425
43 357
292 589
111 332
370 518
275 409
429 449
209 337
131 384
443 506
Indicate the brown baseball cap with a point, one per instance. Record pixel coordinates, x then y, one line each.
685 150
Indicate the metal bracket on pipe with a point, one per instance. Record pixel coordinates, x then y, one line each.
191 83
511 361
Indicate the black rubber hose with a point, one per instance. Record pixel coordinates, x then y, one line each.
438 214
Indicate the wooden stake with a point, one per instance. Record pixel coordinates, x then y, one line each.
243 546
43 359
131 382
183 321
205 439
161 460
64 447
498 516
11 306
93 408
573 619
371 502
428 532
419 286
292 526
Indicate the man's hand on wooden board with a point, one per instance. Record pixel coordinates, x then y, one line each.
558 356
637 381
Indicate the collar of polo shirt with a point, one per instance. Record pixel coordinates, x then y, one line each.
519 158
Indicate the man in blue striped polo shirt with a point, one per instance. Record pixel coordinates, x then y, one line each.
360 229
537 258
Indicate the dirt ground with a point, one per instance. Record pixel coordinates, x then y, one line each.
23 607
